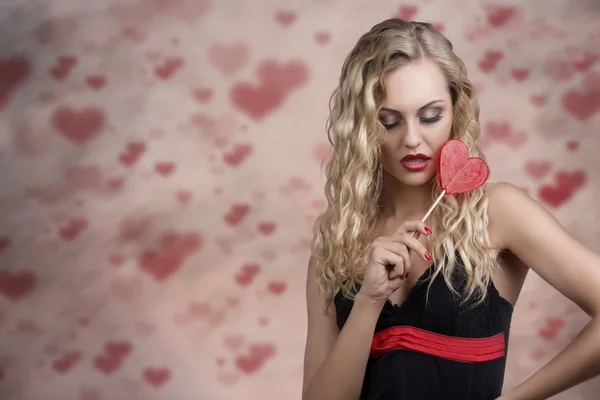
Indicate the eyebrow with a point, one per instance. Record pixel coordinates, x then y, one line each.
422 108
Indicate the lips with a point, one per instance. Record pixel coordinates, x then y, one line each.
415 162
415 157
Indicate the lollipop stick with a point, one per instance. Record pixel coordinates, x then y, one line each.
433 206
414 234
435 203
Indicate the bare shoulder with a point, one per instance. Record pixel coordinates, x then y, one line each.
503 198
524 227
500 192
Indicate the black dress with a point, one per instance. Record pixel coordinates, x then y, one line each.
439 350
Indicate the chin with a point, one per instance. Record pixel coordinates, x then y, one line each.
414 179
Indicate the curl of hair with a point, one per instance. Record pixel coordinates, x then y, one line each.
342 234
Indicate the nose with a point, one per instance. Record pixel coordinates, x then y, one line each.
412 138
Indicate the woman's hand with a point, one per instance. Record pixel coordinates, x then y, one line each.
389 261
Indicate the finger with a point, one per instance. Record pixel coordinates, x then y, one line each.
414 226
396 266
396 283
413 244
397 270
400 271
399 248
396 245
387 258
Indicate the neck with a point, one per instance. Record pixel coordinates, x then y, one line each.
401 202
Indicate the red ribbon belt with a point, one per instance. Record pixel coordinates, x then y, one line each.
450 347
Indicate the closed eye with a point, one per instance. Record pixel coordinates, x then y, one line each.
431 120
391 126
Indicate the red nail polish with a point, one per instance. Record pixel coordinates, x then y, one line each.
428 230
427 256
406 275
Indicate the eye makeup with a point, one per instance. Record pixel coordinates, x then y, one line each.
390 118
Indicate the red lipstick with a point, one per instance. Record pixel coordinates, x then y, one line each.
415 162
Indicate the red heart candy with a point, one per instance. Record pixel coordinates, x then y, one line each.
457 172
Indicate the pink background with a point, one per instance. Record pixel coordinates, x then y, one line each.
161 172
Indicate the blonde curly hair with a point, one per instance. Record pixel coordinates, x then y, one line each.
354 173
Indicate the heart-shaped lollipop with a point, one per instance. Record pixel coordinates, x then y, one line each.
457 172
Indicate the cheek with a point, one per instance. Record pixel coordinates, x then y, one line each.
387 149
441 133
386 155
447 123
439 136
385 144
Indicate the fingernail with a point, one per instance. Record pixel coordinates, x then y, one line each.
406 275
427 256
428 230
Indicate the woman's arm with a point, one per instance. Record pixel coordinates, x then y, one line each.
536 237
334 364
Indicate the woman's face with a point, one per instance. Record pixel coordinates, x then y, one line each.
417 115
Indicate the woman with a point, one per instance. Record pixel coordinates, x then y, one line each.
400 309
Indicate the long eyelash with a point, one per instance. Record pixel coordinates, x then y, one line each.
432 120
425 120
390 126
